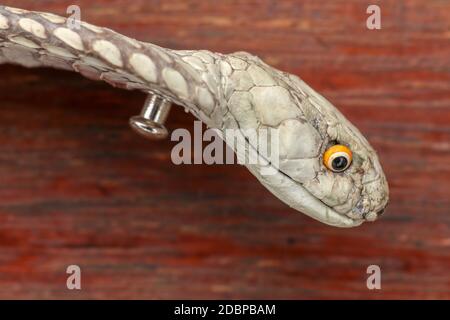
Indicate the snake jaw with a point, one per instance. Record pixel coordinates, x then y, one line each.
299 198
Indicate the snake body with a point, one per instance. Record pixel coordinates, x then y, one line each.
234 91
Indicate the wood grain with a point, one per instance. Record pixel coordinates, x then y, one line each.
77 186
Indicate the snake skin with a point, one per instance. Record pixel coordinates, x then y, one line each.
235 91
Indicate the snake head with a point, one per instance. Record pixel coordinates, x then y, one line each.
309 128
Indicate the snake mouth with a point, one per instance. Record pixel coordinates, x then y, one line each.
295 195
320 211
299 198
326 214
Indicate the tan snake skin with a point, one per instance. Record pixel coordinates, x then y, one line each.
236 91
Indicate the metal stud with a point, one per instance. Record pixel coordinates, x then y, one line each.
150 123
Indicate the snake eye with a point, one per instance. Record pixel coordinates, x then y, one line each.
337 158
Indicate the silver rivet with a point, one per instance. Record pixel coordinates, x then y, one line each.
150 123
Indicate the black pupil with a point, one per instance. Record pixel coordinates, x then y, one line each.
339 163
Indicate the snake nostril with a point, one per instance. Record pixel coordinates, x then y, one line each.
379 213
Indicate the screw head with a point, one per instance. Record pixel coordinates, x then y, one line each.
148 129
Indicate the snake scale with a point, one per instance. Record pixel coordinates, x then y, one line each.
326 168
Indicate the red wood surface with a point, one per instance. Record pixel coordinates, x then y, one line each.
77 186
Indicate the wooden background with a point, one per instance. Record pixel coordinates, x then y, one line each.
77 186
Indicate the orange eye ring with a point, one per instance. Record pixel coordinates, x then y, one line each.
337 158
